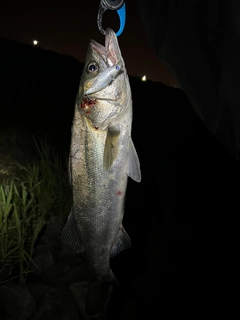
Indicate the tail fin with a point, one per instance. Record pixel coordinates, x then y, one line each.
106 299
97 297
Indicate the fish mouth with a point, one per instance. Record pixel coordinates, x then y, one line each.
110 52
98 47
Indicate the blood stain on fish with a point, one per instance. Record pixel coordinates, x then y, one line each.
87 104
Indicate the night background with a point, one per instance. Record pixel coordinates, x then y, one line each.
182 217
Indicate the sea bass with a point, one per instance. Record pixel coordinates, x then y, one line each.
102 156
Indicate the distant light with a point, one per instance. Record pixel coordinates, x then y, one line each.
144 78
35 42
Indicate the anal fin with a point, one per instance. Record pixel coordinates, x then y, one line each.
123 242
70 236
134 170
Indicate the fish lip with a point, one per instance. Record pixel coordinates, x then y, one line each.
98 47
109 34
105 52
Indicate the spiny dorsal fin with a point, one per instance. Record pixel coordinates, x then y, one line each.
111 148
123 242
133 163
70 236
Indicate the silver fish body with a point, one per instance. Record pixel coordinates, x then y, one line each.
102 156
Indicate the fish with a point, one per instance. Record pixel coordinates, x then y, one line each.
102 156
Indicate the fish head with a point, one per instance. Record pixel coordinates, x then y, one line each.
104 88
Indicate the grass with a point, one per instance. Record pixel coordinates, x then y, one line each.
26 203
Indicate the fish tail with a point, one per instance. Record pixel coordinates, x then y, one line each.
97 297
106 299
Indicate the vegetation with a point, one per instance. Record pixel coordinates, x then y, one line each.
26 202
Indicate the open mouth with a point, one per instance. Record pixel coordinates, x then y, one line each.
108 51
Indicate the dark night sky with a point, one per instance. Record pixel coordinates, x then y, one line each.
67 27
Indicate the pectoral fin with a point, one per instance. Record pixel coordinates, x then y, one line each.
133 164
111 148
70 236
123 242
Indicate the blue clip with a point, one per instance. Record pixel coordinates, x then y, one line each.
122 16
118 5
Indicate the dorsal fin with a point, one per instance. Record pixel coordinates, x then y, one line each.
70 235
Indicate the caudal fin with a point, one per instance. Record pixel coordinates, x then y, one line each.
106 299
97 298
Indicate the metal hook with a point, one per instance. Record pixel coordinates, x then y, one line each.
118 5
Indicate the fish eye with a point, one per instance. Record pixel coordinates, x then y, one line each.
92 67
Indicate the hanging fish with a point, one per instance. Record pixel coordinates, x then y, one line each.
102 157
